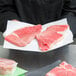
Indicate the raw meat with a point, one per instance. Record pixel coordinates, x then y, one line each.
47 39
7 66
64 69
52 35
65 65
23 36
57 71
58 28
71 71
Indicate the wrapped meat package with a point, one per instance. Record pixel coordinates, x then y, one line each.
7 67
64 69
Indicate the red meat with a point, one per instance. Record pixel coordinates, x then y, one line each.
57 71
58 28
71 71
64 69
47 39
7 66
65 65
23 36
52 35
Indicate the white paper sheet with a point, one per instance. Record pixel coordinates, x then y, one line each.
33 46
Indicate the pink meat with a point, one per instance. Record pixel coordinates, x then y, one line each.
23 36
57 71
64 69
71 71
65 65
7 66
47 39
52 35
58 28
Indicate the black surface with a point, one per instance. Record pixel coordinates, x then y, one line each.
34 60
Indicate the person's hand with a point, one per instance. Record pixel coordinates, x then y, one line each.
15 20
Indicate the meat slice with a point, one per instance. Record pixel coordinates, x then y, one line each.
65 65
58 28
23 36
71 71
47 39
57 71
7 66
52 35
64 69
